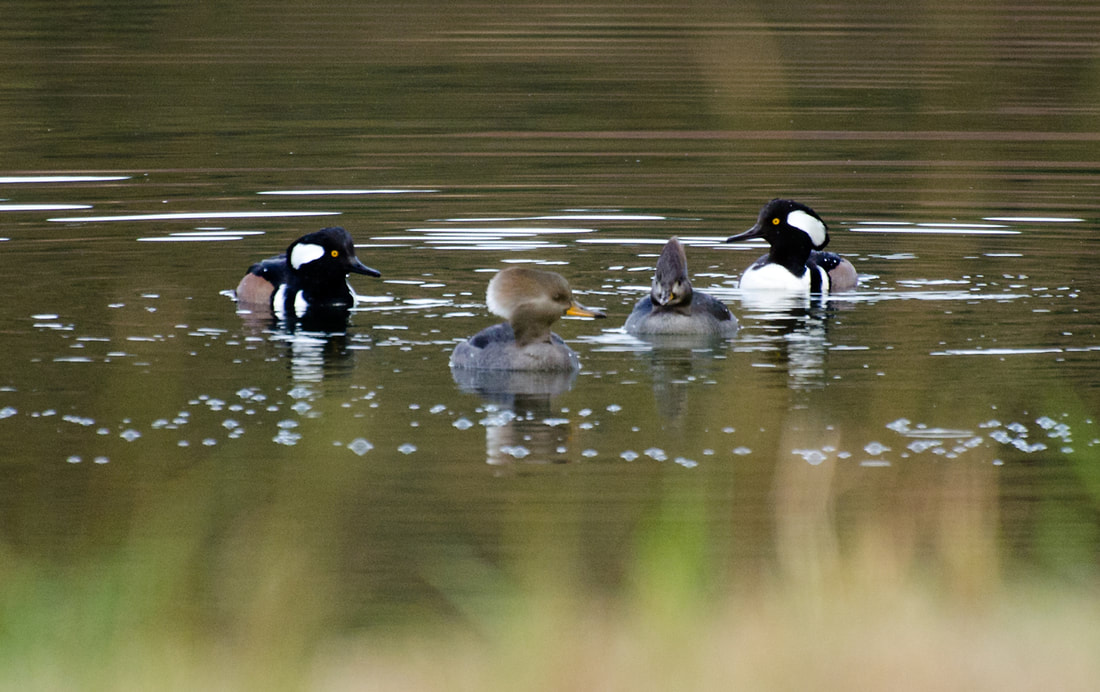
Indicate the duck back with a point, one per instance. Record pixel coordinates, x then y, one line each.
495 348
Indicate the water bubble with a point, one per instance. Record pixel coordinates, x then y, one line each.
584 412
407 448
589 453
361 446
463 423
742 451
1046 422
74 459
514 451
685 462
497 419
656 453
1022 445
438 408
8 412
629 455
729 430
287 424
813 457
300 392
286 437
876 448
919 446
130 434
209 442
230 424
614 408
901 425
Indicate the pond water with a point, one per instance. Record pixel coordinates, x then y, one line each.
152 435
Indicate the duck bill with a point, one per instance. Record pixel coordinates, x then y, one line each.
357 267
578 310
756 231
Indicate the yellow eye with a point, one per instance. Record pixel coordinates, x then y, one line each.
335 253
775 221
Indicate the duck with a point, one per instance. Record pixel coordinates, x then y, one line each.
795 263
673 307
531 300
311 274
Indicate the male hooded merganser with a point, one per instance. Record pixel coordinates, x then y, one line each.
672 307
795 262
531 300
312 273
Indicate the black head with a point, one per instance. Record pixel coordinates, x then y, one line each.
328 252
787 222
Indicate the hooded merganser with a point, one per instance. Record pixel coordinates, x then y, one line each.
672 307
313 272
795 262
531 300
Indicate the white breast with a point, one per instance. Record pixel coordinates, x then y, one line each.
279 303
774 277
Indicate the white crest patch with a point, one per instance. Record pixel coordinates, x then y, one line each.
304 253
808 225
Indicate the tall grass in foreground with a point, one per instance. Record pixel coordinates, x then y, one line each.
889 581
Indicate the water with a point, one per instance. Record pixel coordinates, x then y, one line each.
152 155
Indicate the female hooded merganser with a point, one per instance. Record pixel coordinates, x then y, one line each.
795 262
672 307
312 273
531 300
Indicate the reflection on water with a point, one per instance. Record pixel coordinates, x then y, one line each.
520 423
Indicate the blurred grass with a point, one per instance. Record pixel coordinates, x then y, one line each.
879 599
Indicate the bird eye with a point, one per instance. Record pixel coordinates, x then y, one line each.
775 221
335 253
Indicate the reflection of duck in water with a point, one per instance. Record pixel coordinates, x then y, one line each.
672 307
531 300
312 274
795 262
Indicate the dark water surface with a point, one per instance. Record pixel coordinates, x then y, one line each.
153 438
